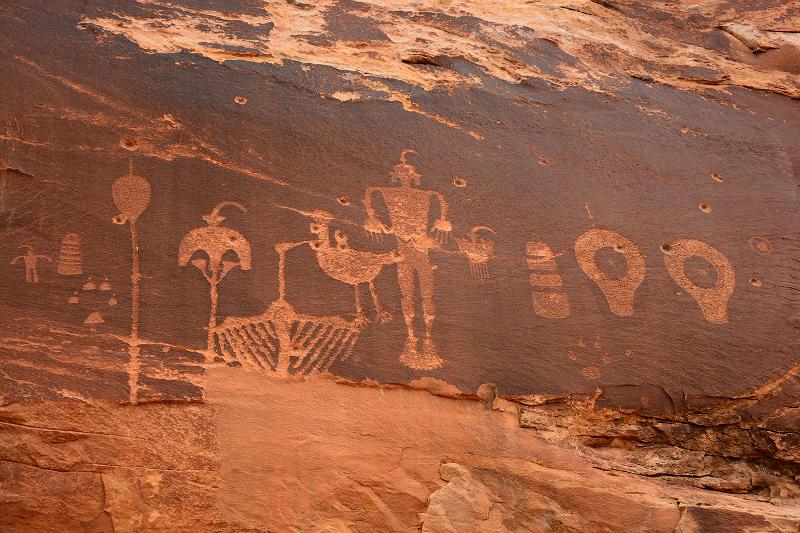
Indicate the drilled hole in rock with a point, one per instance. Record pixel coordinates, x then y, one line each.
241 100
344 200
705 208
666 248
717 177
129 143
459 182
756 281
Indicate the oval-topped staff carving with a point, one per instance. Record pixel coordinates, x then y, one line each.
214 241
131 194
619 292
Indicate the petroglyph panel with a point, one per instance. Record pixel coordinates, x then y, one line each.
249 230
388 226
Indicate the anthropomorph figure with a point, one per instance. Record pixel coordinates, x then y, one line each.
409 212
31 259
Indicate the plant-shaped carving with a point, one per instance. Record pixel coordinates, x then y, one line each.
131 195
215 242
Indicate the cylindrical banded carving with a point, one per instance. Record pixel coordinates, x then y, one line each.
549 298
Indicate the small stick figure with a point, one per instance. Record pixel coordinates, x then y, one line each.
31 259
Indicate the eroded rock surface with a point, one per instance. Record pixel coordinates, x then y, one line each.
397 266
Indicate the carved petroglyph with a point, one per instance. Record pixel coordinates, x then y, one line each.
713 301
761 245
478 250
94 319
342 263
69 256
214 242
592 356
549 298
131 195
282 340
620 292
409 212
31 260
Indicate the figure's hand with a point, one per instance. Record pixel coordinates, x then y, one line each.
375 228
442 229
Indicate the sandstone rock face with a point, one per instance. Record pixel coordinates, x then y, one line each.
399 266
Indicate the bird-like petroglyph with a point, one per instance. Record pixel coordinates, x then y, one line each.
342 263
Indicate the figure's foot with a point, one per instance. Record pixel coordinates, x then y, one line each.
427 360
409 355
430 354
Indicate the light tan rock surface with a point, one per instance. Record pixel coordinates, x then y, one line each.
262 454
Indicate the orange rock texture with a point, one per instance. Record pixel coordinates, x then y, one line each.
365 265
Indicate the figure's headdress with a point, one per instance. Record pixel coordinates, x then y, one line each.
404 169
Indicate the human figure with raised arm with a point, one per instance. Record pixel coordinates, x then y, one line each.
31 260
409 212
